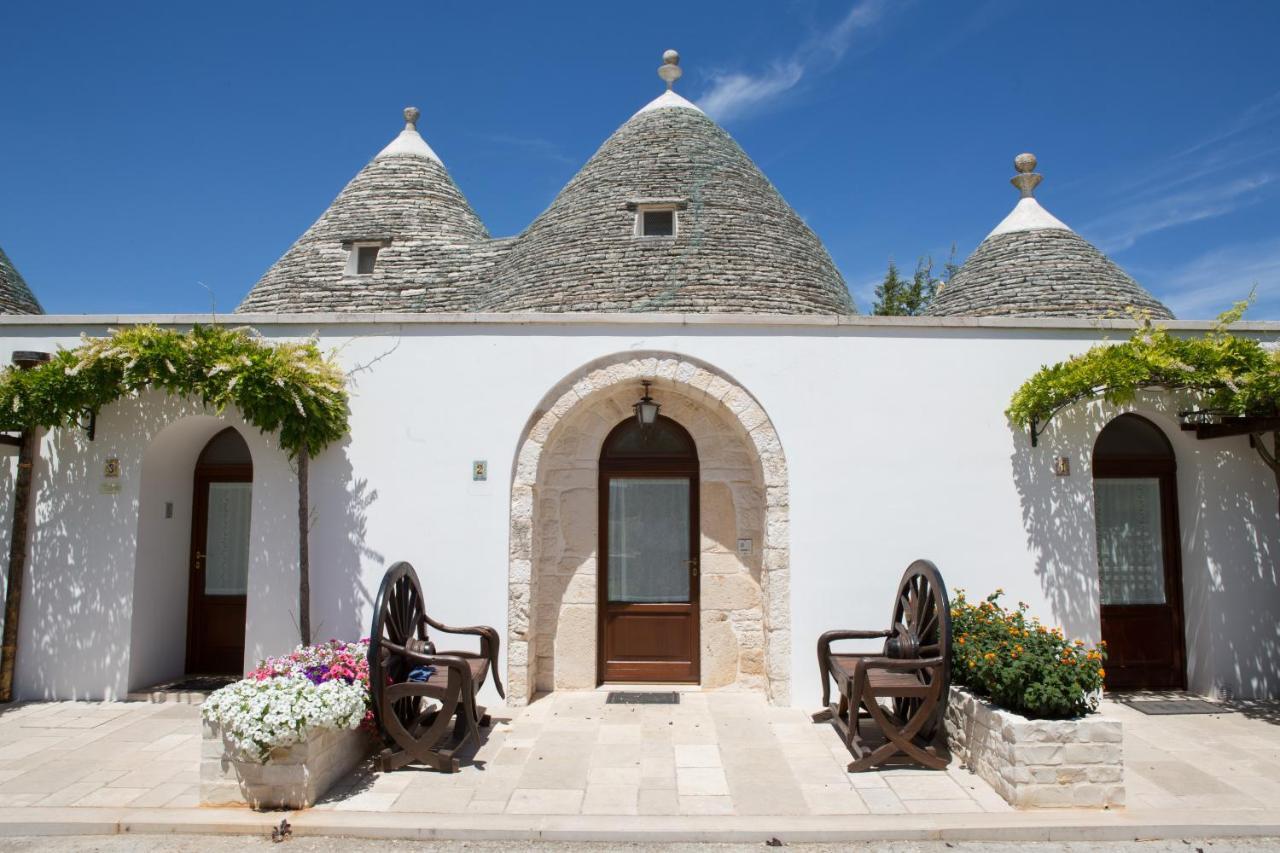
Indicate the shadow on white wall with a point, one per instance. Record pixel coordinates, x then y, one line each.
1229 528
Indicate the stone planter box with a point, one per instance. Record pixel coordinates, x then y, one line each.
294 778
1038 763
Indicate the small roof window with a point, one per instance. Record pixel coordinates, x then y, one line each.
362 258
366 257
656 217
658 223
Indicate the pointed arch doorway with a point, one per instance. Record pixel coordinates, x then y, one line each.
1139 556
219 564
649 543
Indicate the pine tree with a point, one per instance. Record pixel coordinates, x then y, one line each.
890 293
896 296
923 287
951 266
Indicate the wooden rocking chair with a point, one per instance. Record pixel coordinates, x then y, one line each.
912 671
416 690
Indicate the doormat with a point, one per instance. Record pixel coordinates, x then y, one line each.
195 684
1174 706
645 697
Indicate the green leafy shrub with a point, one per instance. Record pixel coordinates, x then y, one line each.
1229 375
285 387
1020 664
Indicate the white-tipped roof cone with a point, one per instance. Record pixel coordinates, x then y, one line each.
410 143
1033 265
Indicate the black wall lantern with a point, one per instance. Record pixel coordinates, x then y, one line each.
646 408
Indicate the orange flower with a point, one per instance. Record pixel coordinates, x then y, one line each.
1102 673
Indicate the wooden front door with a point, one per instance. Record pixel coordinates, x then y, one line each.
1139 565
649 542
219 568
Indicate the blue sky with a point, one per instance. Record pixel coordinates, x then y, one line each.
158 157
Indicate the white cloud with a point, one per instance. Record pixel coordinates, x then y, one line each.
1214 281
1122 228
737 93
1214 176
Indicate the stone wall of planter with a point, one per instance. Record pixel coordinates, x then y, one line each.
1038 763
294 777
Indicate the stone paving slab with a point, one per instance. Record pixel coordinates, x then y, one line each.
714 754
717 763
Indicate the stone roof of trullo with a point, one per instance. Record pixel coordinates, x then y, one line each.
15 296
433 244
1033 265
738 248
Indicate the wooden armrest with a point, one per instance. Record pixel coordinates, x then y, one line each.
472 630
489 642
832 636
900 664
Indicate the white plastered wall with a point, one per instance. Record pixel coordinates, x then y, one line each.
104 608
896 442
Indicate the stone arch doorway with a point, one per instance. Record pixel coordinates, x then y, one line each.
218 584
1139 555
742 546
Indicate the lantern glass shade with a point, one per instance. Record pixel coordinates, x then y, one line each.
646 412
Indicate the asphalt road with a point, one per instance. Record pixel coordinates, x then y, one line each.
218 844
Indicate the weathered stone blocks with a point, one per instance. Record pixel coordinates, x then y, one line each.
294 777
1038 763
745 615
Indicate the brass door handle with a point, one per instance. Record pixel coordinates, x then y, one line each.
199 561
693 567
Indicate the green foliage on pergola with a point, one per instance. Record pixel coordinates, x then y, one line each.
286 387
1229 376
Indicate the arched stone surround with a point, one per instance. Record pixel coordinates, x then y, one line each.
552 611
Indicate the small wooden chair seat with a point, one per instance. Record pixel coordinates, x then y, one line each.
414 716
911 672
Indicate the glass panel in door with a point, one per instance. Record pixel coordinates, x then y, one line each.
1130 540
226 558
648 540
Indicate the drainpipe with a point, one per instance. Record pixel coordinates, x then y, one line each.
28 450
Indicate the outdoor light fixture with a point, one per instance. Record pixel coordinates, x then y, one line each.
646 408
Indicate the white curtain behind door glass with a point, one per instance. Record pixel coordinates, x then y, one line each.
1130 544
648 540
226 563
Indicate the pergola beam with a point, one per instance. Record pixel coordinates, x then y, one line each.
1228 427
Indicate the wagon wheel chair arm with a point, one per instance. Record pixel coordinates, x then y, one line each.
489 645
824 653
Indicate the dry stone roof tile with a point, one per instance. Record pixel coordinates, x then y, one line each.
434 245
1047 272
1033 265
15 296
738 248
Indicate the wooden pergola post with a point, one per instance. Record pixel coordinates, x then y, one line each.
28 451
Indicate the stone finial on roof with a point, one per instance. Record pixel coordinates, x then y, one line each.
1026 180
670 68
1033 265
411 116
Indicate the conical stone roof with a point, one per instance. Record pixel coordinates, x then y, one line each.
1033 265
738 246
433 246
15 296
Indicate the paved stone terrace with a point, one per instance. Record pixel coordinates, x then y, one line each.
570 754
713 754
